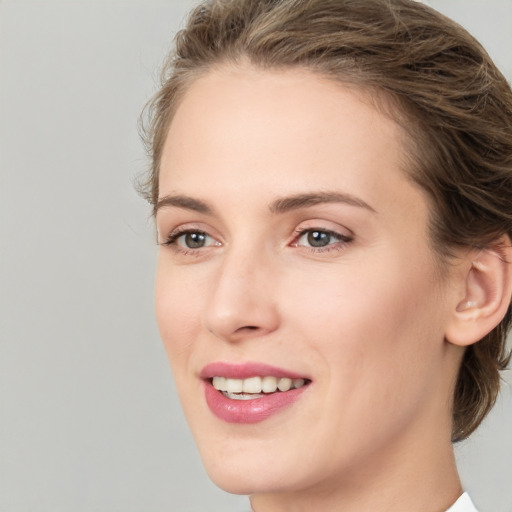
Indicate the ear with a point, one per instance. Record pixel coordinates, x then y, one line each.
486 294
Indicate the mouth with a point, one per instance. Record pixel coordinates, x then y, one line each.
253 388
250 392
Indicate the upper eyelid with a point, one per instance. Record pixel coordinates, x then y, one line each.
303 227
171 239
324 225
342 238
186 227
323 230
179 231
317 227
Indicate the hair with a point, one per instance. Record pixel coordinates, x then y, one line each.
444 89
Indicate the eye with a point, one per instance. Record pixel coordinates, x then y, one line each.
193 240
321 239
317 238
190 239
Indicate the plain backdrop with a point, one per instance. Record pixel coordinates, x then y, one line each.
89 419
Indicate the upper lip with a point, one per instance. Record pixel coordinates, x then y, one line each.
246 370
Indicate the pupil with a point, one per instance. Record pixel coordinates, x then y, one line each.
318 238
195 240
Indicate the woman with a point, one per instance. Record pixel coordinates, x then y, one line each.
332 188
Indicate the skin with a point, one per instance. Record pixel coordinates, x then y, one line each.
365 319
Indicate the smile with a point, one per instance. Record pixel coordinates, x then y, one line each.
250 393
254 387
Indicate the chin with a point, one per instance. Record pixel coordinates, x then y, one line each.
236 483
239 472
244 469
247 482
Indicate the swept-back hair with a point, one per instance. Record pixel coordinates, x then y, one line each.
422 69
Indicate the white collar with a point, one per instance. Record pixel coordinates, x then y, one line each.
463 504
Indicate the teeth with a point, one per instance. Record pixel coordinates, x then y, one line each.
243 396
219 383
234 385
298 383
268 384
252 385
255 385
284 384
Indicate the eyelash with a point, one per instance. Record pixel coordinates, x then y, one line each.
172 240
342 240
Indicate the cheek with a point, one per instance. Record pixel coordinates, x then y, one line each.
347 303
374 325
371 334
177 306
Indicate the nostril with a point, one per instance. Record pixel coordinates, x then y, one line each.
248 328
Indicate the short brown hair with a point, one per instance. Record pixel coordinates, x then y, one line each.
454 102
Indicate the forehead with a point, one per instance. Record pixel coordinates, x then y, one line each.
248 107
243 129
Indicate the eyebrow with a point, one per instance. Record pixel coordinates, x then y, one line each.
279 206
298 201
185 202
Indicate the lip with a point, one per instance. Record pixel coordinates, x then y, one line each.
246 370
248 411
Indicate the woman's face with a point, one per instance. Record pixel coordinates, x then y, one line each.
295 252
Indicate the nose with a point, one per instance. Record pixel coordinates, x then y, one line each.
242 304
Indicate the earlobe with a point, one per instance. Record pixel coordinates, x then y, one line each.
487 295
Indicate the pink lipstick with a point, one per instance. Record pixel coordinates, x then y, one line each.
250 392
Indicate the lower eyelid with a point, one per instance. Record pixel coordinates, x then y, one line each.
338 241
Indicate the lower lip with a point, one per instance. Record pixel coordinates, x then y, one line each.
249 411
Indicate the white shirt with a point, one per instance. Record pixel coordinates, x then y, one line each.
463 504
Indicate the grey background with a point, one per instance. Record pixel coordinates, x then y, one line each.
89 420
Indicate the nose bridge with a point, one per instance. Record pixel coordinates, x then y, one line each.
241 302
